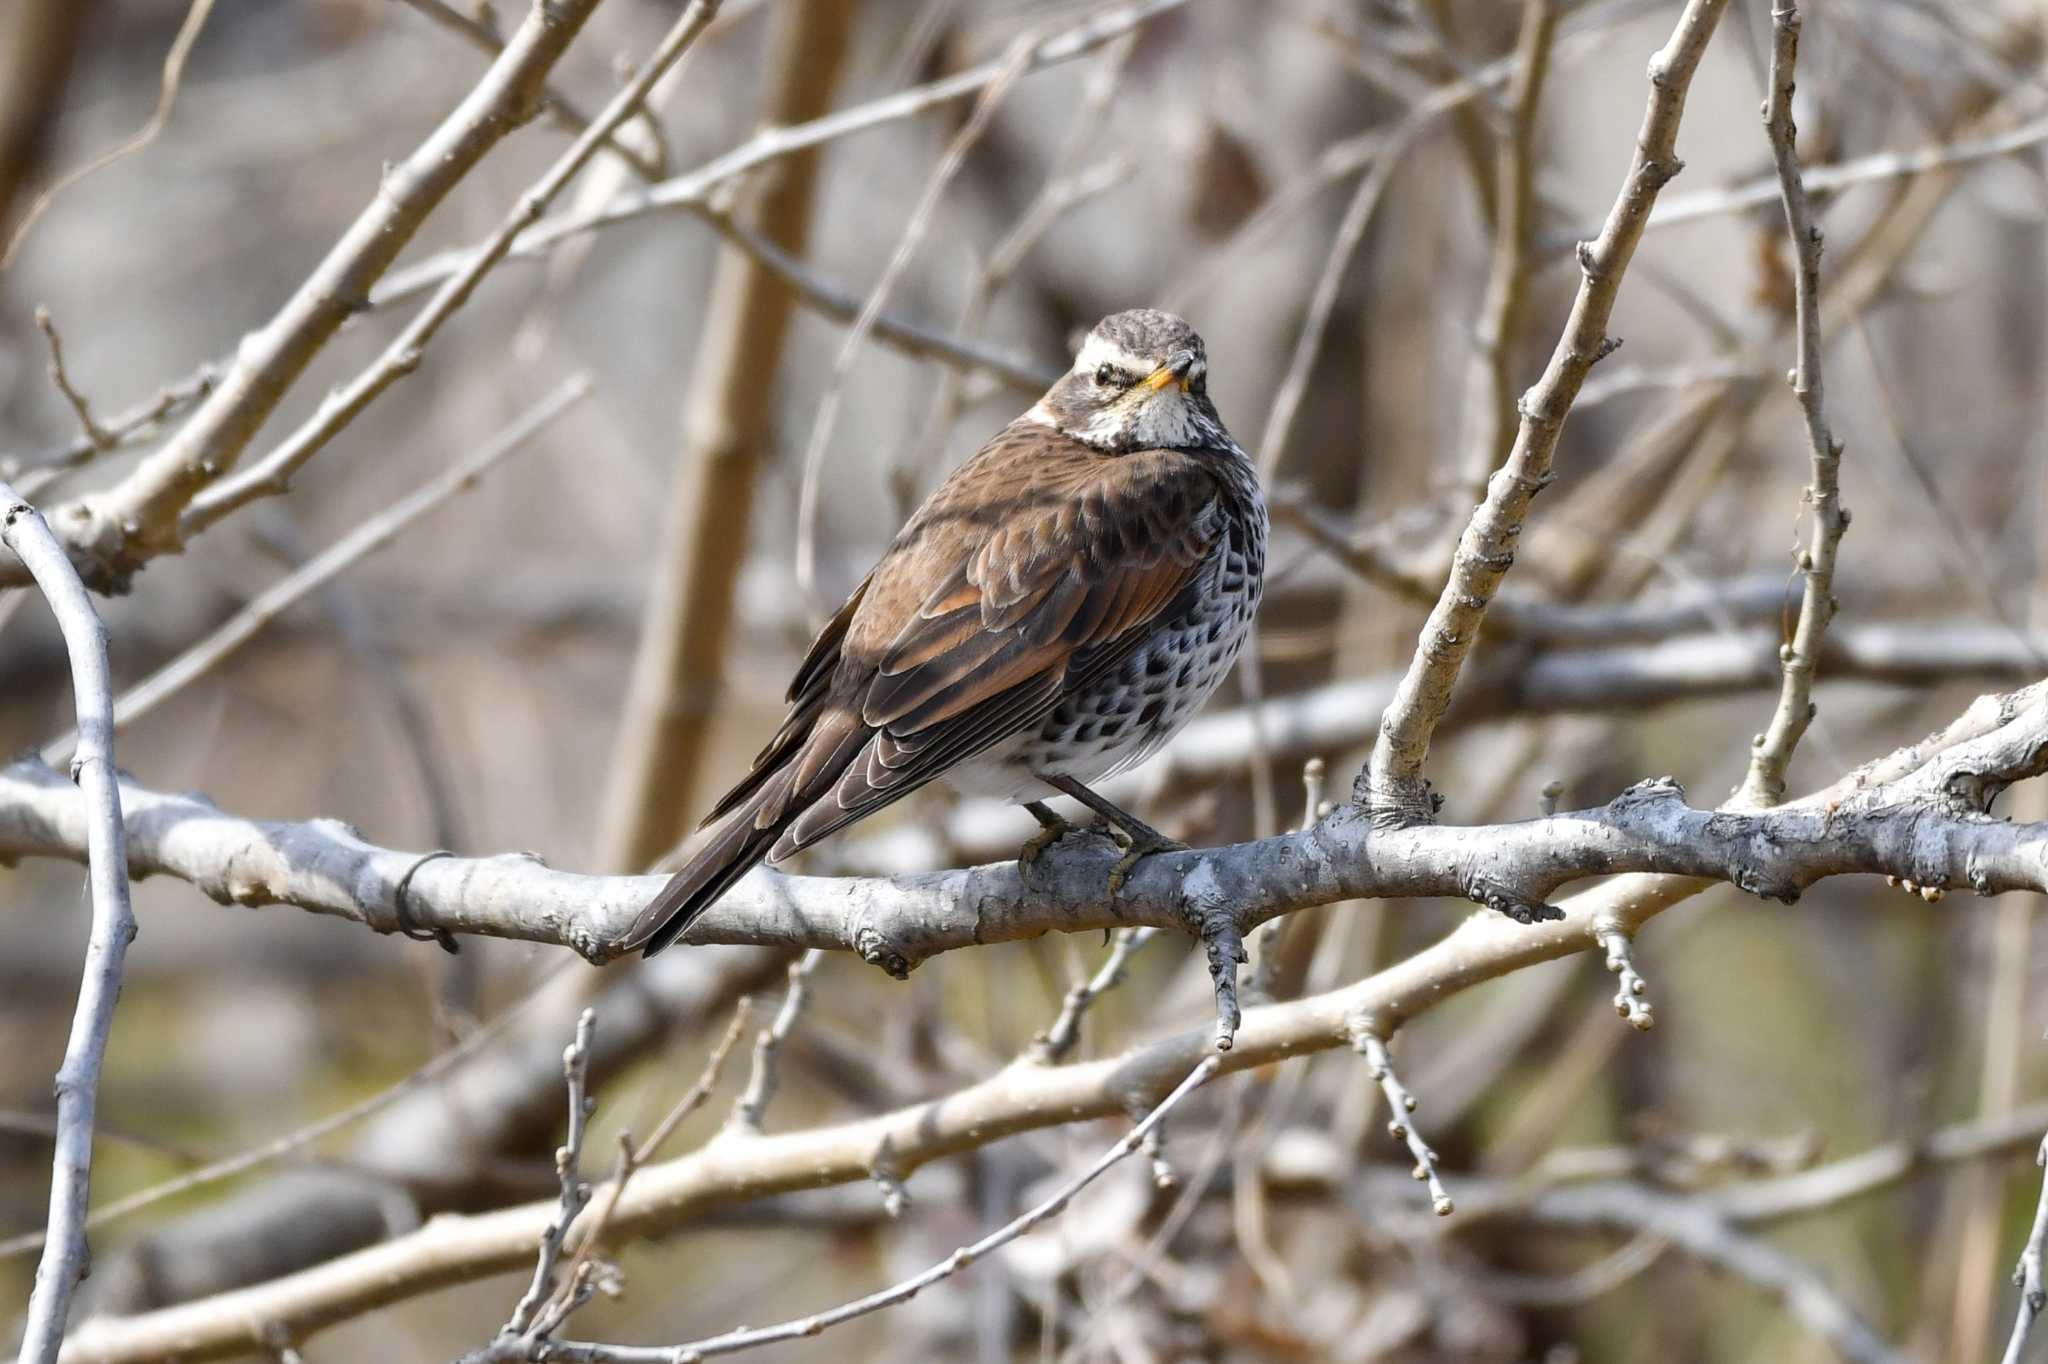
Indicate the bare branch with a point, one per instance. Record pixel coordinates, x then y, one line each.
1927 828
671 703
1989 739
1392 785
366 539
95 435
751 1105
1401 1126
1018 61
1056 1041
1772 751
113 922
575 1195
2027 1274
560 107
272 474
732 1342
695 188
111 534
1631 998
167 95
1489 398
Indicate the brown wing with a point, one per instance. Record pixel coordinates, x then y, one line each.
1038 557
1039 563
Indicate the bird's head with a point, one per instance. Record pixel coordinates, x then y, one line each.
1140 382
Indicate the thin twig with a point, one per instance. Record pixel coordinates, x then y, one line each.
1066 186
166 96
696 187
1056 1041
575 1194
560 107
297 1140
1308 342
271 475
111 533
1876 167
95 435
2027 1274
912 338
1772 750
366 539
1401 1126
761 1080
732 1342
23 531
1015 64
1392 785
632 1158
39 470
1489 396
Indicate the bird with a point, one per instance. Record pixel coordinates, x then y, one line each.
1059 606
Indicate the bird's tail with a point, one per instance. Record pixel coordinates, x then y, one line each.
739 845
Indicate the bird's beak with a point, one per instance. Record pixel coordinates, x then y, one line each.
1175 371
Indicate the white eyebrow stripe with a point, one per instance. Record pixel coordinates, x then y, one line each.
1098 350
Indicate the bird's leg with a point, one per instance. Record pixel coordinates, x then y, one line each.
1138 839
1052 828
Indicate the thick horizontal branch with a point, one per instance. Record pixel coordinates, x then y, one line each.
1999 739
1926 829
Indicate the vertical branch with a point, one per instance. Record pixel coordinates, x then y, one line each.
1772 750
113 922
1392 785
674 687
1489 397
2027 1274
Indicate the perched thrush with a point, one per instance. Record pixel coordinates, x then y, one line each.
1056 609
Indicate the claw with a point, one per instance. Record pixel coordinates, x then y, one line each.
1137 850
1053 829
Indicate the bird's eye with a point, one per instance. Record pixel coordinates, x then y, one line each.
1105 375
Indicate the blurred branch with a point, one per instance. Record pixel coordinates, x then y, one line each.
1992 735
560 107
278 1148
271 475
1489 389
112 533
1772 751
23 531
958 353
1392 785
1015 64
1878 166
366 539
167 95
695 188
746 1338
1929 830
38 41
1344 246
659 747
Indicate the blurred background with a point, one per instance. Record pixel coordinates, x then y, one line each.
473 686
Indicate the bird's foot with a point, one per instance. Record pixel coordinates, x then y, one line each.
1052 828
1138 844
